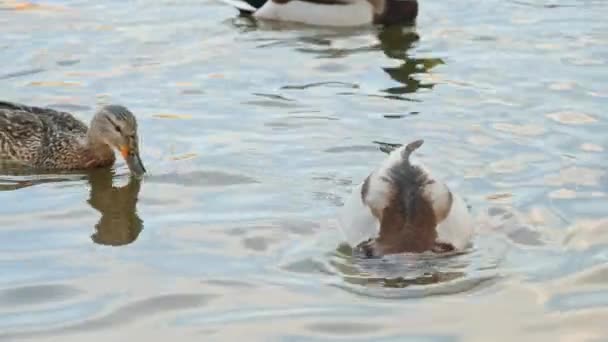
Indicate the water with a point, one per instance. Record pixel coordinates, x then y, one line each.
253 135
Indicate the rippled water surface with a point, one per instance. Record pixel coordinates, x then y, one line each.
254 133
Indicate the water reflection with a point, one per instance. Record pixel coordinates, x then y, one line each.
14 176
395 42
397 271
409 276
119 223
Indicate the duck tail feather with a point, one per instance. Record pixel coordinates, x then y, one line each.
242 5
409 148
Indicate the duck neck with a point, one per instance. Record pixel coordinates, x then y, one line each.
98 152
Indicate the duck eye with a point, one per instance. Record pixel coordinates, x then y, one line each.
116 127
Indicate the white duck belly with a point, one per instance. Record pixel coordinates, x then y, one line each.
358 12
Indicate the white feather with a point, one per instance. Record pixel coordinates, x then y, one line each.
379 191
359 224
356 220
357 12
242 5
457 228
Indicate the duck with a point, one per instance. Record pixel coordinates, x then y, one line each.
401 207
47 139
337 13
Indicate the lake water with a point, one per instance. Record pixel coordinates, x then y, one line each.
253 135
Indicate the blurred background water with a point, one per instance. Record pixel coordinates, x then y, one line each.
254 133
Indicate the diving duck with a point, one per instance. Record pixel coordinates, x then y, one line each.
331 12
44 138
400 207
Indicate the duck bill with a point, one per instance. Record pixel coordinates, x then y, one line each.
133 161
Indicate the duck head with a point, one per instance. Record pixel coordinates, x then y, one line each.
116 126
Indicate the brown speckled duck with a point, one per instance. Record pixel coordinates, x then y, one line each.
44 138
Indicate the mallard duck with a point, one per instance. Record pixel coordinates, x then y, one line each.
44 138
400 207
331 12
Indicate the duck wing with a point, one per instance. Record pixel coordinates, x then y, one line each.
21 133
60 121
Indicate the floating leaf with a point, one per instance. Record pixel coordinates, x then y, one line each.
572 118
481 140
104 28
172 116
562 85
184 156
521 130
25 6
499 196
55 84
183 84
562 194
588 147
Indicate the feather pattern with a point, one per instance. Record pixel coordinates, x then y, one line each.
401 207
46 138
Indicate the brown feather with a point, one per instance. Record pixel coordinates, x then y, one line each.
47 139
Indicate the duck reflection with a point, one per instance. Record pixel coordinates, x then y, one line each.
400 271
395 42
119 223
15 177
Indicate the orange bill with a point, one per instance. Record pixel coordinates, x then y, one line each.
124 151
133 160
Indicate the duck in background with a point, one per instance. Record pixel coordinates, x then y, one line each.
401 207
339 13
46 139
